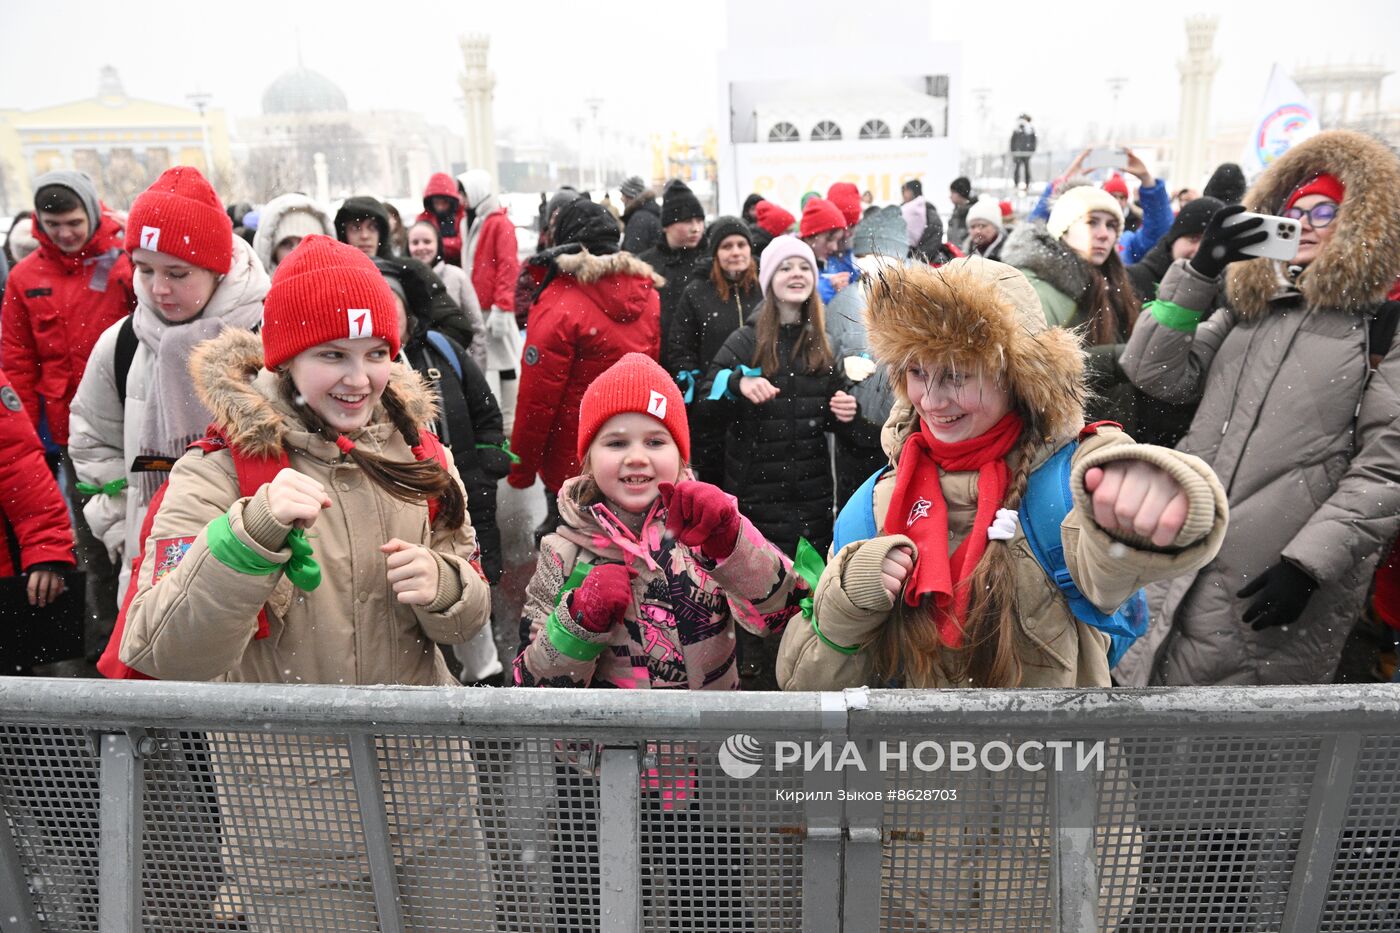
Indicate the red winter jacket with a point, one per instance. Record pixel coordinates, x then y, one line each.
596 309
496 263
442 184
56 306
30 503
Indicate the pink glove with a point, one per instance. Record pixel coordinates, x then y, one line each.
601 600
703 516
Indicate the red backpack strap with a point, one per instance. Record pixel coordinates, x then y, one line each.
430 448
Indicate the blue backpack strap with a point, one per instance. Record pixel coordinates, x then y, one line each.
1047 501
441 344
857 519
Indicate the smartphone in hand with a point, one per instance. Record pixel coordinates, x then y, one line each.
1106 157
1283 232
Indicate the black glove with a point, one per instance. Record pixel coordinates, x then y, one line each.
1284 590
1221 245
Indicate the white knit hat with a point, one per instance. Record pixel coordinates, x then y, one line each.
1076 203
985 210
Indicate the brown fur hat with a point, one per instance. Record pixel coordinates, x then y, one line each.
978 316
1358 265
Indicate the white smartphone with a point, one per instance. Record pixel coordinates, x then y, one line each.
1107 158
1283 232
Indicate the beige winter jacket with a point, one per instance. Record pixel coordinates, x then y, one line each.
288 804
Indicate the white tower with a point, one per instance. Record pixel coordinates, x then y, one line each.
478 91
1197 74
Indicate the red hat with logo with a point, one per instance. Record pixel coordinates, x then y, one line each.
326 290
819 216
773 219
181 216
635 383
846 197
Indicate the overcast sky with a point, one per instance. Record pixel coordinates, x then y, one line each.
653 63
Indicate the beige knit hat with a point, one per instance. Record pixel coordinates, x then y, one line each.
1078 202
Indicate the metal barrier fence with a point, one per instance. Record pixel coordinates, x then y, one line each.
168 806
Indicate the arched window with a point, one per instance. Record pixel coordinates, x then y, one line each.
875 129
917 128
825 131
784 133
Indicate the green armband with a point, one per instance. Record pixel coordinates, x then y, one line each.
1175 316
840 649
567 643
114 488
233 553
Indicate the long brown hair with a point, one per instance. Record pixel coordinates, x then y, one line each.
407 481
722 283
813 349
1110 304
909 648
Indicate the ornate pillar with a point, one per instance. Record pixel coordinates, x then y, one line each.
1193 119
478 90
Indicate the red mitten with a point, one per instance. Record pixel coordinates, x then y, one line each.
601 600
703 516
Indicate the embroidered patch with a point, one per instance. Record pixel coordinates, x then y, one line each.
918 511
150 238
532 356
10 398
168 554
657 405
361 323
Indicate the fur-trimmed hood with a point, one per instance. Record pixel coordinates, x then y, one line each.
230 380
1031 247
1358 265
618 283
303 213
977 315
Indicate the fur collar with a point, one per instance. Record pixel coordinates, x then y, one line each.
977 315
1358 266
587 267
230 380
1031 247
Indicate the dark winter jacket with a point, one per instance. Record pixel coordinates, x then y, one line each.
357 207
450 230
1063 281
642 224
426 291
1303 434
703 323
678 267
56 306
32 513
776 459
1023 139
594 310
957 223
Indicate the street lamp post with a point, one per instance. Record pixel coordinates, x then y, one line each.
200 100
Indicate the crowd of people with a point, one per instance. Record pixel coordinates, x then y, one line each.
856 445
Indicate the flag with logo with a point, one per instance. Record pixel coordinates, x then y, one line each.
1286 118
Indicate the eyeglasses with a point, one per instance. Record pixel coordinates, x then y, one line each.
1319 215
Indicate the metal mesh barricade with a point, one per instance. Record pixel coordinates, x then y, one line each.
49 787
718 852
258 808
1362 893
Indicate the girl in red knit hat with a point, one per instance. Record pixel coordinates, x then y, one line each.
347 566
642 587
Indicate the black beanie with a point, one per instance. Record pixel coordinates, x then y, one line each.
962 186
679 203
750 203
589 224
726 227
1227 184
1192 219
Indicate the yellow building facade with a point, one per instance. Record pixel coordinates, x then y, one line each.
123 143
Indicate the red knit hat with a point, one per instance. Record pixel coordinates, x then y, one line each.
846 197
1116 185
819 216
1327 185
1006 209
181 216
634 383
773 219
325 290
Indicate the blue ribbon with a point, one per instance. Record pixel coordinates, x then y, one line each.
686 380
721 387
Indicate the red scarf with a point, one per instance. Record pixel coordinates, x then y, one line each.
917 510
